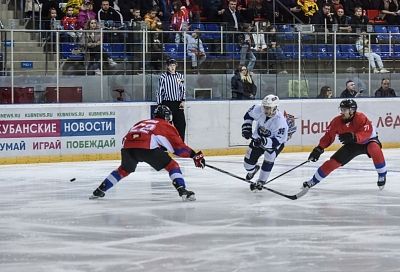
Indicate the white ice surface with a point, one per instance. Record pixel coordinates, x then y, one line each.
47 223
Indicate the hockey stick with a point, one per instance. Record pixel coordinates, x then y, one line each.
292 197
290 170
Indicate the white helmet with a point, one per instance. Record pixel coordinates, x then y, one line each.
270 103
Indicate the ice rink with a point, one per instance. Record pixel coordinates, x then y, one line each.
47 223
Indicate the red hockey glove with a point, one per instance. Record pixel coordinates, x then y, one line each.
199 160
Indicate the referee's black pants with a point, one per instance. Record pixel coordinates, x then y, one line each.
178 116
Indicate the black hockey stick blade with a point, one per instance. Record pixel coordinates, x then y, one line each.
292 197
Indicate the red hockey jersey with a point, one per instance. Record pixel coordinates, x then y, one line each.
360 126
154 133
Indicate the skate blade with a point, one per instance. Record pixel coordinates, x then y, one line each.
190 198
94 197
381 187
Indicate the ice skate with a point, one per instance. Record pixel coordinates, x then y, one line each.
249 176
97 194
186 195
381 182
257 185
308 184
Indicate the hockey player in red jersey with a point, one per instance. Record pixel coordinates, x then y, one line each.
147 141
358 136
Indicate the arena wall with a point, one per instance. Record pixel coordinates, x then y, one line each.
76 132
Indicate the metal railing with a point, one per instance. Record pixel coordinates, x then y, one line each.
305 62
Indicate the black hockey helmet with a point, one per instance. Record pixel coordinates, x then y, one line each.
171 61
163 112
348 104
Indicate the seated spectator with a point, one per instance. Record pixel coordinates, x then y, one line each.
242 84
351 5
362 45
325 92
195 48
385 90
323 19
85 14
358 21
342 21
70 22
350 90
391 11
246 42
91 41
51 23
111 19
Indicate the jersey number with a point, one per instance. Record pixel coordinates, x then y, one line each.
143 128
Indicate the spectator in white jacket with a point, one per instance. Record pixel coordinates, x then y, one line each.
195 48
362 45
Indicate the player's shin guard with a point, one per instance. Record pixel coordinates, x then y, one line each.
266 168
323 171
376 154
113 178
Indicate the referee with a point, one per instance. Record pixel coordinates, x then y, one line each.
171 93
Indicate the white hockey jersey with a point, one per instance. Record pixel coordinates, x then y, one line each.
274 129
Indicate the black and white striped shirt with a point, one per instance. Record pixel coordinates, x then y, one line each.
171 87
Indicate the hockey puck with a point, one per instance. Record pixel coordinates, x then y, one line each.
73 179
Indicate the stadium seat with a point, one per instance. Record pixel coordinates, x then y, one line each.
308 52
386 52
324 52
348 51
287 32
115 50
70 51
381 33
373 16
215 34
290 51
232 51
395 33
174 51
396 51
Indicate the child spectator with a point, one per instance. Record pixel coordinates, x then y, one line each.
69 22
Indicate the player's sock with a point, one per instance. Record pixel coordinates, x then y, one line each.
323 171
113 178
376 154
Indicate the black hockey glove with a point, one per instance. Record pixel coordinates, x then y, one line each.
347 138
247 130
260 142
315 154
199 160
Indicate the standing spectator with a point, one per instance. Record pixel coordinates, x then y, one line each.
246 43
325 92
147 141
85 14
275 52
350 90
358 136
385 90
259 46
152 21
231 19
268 138
70 22
111 19
391 11
171 92
179 20
362 45
242 84
358 21
195 48
135 46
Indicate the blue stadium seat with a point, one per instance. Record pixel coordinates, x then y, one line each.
232 51
395 33
307 52
385 51
288 32
348 51
381 33
290 51
324 52
396 51
115 50
215 35
209 54
174 50
67 52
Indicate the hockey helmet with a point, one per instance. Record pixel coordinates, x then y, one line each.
348 104
270 104
163 112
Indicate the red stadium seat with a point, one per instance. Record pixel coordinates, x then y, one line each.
373 16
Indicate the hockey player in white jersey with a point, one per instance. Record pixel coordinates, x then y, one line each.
268 137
